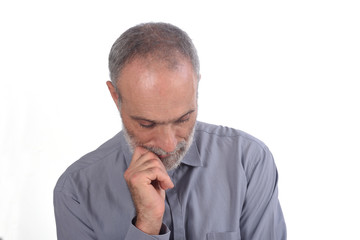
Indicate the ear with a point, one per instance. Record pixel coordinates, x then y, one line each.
113 93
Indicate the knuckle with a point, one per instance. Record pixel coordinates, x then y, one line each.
134 179
126 175
156 171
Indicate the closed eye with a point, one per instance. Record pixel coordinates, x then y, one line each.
183 119
146 124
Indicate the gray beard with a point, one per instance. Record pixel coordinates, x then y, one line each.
175 157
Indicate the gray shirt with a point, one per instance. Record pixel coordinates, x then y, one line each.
225 188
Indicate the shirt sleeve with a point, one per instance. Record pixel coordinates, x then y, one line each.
72 224
135 233
262 217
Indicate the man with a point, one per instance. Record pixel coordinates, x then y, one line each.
165 175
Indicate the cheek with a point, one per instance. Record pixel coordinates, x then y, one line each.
134 130
141 135
146 137
184 131
181 133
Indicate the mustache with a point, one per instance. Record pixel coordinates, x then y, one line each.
160 152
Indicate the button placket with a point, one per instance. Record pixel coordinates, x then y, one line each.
178 230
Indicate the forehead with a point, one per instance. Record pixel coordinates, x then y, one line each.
152 74
153 87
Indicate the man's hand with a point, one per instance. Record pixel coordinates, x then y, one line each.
147 180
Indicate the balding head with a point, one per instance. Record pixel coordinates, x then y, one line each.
153 42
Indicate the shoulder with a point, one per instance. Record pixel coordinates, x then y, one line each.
210 132
231 145
93 163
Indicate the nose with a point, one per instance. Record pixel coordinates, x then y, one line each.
166 139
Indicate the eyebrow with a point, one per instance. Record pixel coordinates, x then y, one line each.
161 122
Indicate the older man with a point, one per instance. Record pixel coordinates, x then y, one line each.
165 175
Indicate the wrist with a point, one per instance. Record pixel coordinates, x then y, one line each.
150 227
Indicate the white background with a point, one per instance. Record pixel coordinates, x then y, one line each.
286 72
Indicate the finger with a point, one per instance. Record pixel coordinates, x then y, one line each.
149 176
165 183
141 152
161 176
148 159
145 161
138 152
148 162
137 158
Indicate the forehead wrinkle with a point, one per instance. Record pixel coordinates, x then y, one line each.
162 122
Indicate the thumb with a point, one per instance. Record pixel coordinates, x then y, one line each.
165 183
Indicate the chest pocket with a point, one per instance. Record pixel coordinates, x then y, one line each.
223 236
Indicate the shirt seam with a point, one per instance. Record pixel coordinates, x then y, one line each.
68 174
95 162
258 142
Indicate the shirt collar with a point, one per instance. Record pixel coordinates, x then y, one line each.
192 157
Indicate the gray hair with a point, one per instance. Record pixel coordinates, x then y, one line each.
160 40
